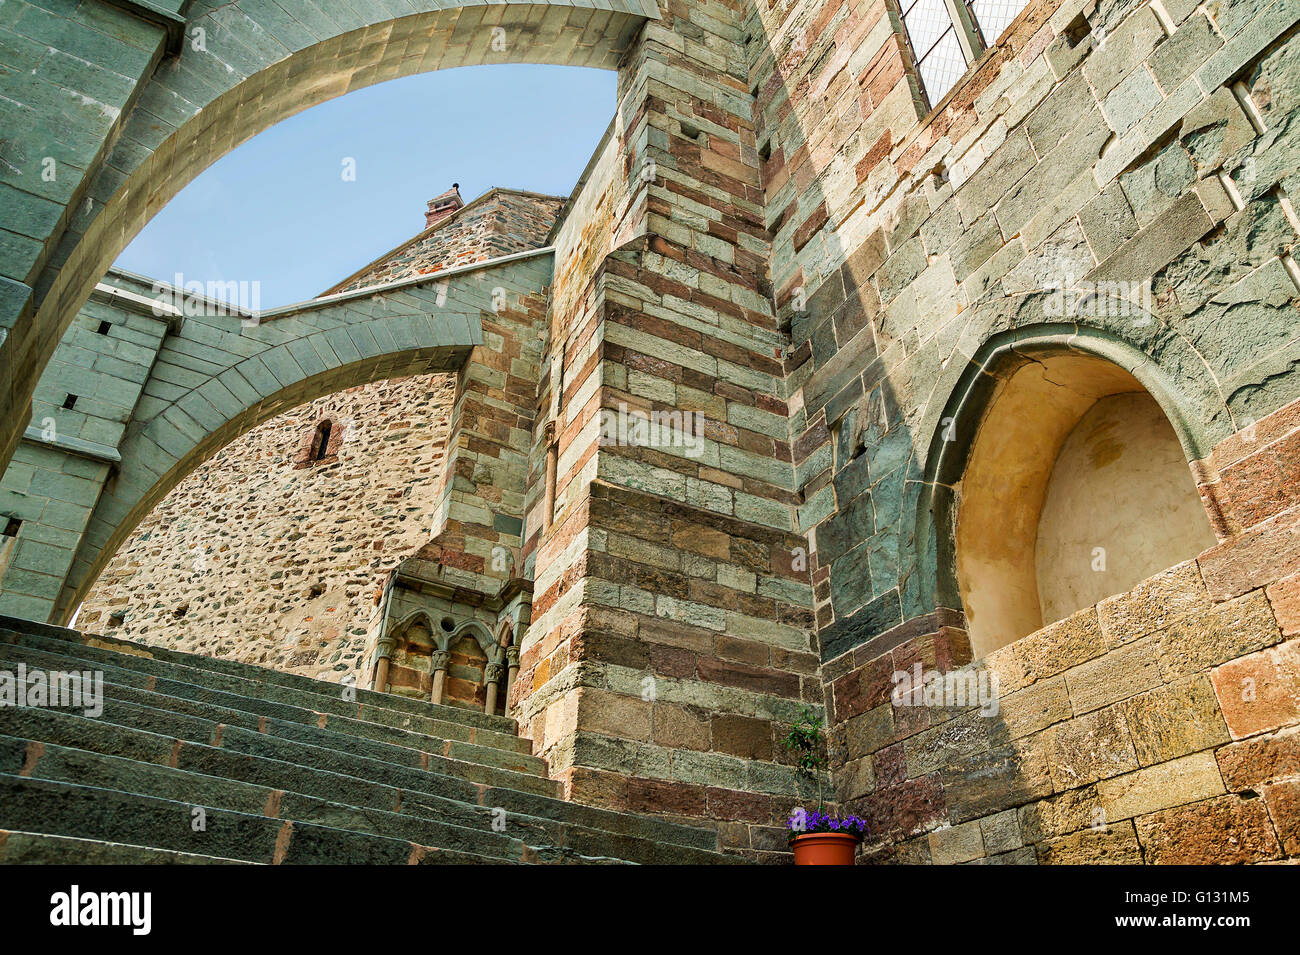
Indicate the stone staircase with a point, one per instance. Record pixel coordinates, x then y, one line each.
202 760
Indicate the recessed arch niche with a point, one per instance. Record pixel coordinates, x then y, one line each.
1075 487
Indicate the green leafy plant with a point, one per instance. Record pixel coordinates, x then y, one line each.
804 741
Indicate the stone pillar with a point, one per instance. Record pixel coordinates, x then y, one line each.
670 645
383 653
492 677
552 460
438 662
512 670
479 530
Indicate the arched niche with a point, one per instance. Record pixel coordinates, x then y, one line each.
1075 486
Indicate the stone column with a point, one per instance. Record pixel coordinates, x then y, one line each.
383 652
439 661
512 671
492 677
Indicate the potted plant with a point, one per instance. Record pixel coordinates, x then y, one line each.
818 837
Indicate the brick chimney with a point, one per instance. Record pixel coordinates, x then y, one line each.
444 205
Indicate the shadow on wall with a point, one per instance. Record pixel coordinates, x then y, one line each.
951 419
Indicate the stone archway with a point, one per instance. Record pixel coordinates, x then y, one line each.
196 88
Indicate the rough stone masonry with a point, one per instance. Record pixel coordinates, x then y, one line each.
904 309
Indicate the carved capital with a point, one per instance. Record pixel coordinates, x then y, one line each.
439 660
492 673
384 647
512 657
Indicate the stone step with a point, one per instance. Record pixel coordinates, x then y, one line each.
90 812
295 743
38 848
316 798
446 722
233 709
380 786
256 674
304 773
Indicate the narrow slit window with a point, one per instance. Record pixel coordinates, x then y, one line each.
321 442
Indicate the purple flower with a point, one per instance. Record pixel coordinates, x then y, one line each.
805 821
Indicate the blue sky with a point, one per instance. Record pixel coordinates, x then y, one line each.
277 209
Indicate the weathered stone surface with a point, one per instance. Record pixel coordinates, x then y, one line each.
1118 675
956 844
1060 815
1152 604
1261 759
1224 830
1130 43
1174 60
1089 748
1001 832
1114 845
1034 708
312 593
1174 720
1254 558
1201 640
1062 645
1260 692
1284 598
1283 801
1179 781
1156 245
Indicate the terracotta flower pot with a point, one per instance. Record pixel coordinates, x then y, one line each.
824 848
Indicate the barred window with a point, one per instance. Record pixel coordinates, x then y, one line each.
947 36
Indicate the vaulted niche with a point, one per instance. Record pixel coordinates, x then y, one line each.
1076 488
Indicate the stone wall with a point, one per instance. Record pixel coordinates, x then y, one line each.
1160 726
1129 150
254 558
906 246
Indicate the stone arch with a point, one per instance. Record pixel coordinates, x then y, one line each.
261 62
415 617
291 356
1193 409
481 635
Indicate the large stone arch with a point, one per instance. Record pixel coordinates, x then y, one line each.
255 371
1148 351
181 108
